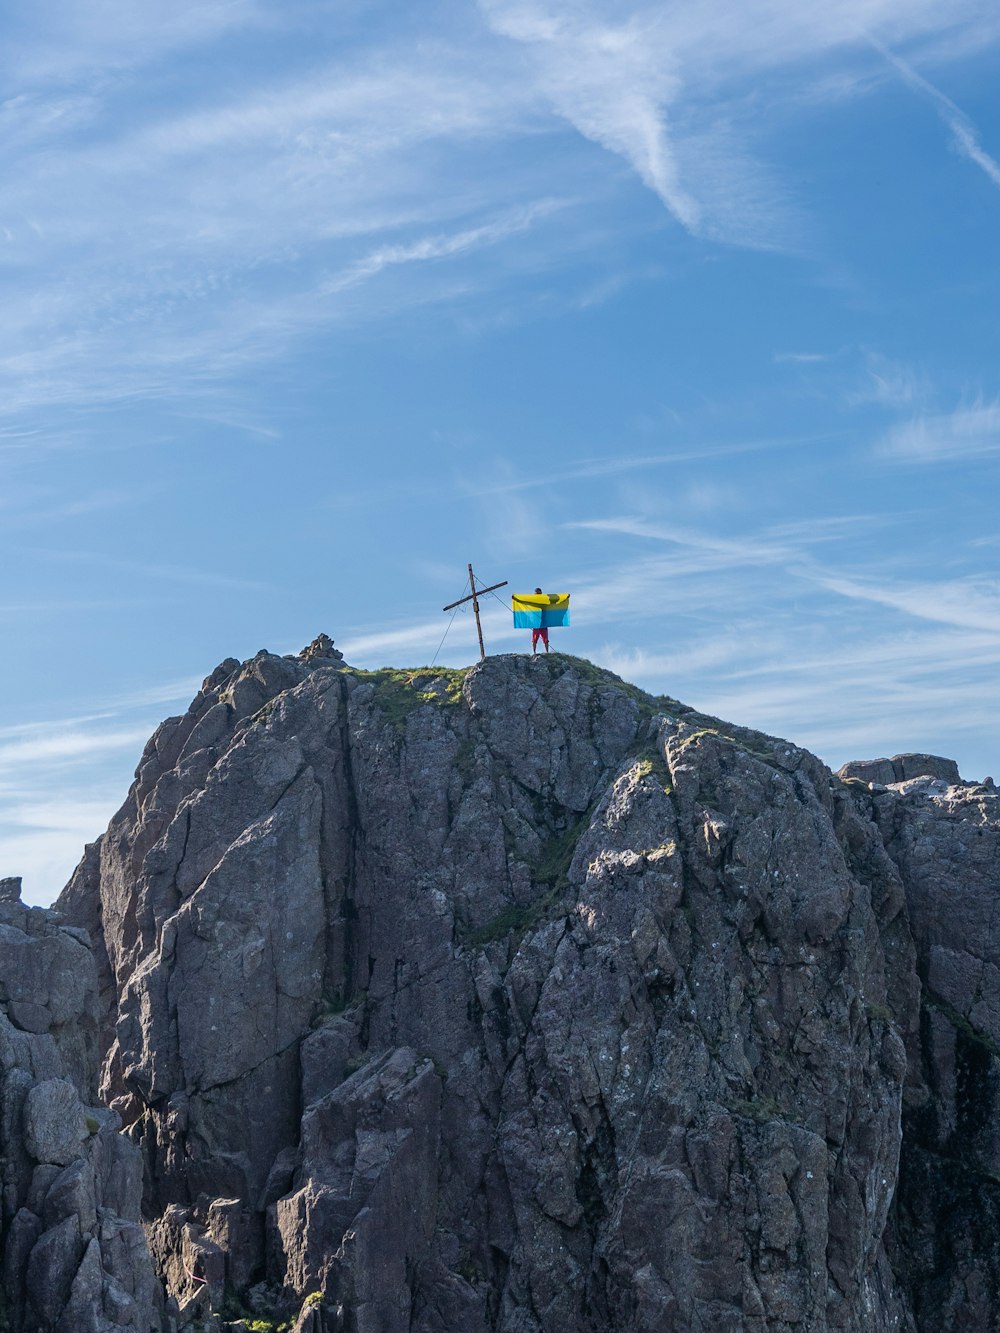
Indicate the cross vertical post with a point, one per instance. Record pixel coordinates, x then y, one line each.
473 597
475 608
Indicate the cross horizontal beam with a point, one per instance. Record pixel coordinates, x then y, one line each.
473 595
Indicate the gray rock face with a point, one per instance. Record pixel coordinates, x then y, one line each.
53 1121
946 841
516 1000
901 768
74 1253
10 889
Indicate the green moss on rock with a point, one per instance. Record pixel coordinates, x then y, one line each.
961 1024
398 693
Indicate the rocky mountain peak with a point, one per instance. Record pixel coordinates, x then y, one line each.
518 999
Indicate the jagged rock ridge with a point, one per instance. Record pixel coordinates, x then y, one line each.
518 1000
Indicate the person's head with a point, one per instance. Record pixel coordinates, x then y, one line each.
538 590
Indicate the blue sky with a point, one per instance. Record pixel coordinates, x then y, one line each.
687 309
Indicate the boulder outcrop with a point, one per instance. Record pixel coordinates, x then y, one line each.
512 1001
901 768
75 1258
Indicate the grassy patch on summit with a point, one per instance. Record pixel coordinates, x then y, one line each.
399 692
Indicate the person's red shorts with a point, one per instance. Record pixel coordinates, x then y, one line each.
537 634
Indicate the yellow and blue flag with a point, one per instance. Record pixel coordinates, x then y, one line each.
545 610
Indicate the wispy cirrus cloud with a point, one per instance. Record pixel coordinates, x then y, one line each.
627 78
62 778
662 87
203 336
964 135
250 221
724 549
25 509
143 570
347 188
429 248
55 795
802 358
942 437
57 745
68 41
891 383
971 603
612 81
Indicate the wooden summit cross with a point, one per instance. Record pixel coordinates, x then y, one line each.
473 597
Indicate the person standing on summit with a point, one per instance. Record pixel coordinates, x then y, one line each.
540 611
539 633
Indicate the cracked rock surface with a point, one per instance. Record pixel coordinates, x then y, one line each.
75 1258
517 1001
945 837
